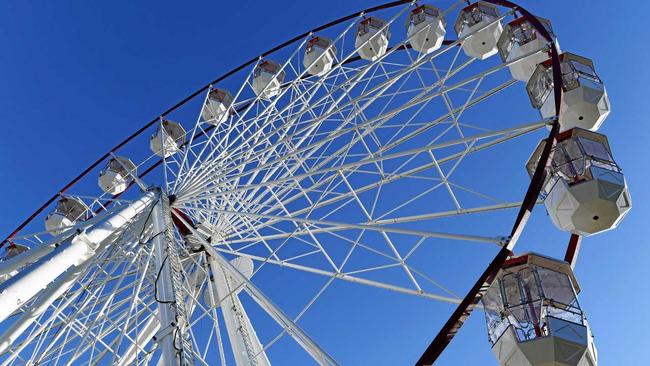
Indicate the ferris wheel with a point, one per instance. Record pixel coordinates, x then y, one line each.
336 172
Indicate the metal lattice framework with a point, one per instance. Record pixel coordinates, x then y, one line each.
366 174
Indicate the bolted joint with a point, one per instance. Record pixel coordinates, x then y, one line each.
504 241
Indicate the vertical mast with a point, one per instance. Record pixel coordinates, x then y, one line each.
176 346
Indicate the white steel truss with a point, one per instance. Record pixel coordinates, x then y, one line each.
363 175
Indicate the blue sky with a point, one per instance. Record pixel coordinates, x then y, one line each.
77 77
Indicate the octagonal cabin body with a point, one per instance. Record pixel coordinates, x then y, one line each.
533 316
425 28
168 139
268 77
319 56
218 107
372 38
584 100
478 22
13 250
585 191
117 175
67 212
522 42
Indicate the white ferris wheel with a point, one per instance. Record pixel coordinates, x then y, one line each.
352 158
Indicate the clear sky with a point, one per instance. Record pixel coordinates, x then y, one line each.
79 76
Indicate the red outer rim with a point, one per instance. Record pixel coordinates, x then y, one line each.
572 250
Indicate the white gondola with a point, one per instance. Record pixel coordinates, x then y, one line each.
67 212
12 251
218 107
319 56
585 103
268 77
520 38
477 23
117 175
372 38
585 190
425 28
533 315
168 139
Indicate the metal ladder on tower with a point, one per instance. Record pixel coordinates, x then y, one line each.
186 355
240 319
